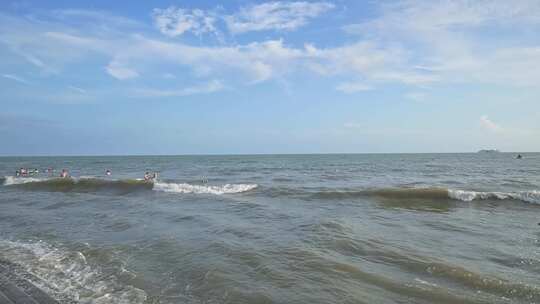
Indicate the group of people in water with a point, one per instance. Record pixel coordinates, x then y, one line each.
26 172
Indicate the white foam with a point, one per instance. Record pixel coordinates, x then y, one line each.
425 282
67 274
218 190
12 180
467 196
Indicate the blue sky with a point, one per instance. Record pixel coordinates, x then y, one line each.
206 77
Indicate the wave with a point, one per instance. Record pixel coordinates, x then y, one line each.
11 180
467 196
123 186
218 190
432 194
66 275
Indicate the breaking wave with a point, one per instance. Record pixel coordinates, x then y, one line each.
187 188
11 180
67 275
124 186
467 196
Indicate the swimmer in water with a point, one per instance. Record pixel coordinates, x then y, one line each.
64 173
108 172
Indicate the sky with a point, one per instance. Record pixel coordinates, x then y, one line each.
247 77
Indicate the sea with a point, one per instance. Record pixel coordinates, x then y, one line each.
333 228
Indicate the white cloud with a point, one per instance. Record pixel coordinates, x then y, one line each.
408 44
275 16
15 78
255 61
353 87
206 88
489 125
174 21
120 72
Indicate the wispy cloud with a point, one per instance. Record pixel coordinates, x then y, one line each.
120 72
174 21
105 20
369 61
77 89
205 88
33 60
449 39
15 78
275 16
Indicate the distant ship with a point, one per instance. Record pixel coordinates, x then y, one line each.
489 151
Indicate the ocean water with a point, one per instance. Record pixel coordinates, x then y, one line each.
397 228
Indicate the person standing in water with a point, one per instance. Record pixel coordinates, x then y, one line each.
108 172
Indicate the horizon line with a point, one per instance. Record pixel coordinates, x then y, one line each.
252 154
